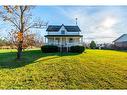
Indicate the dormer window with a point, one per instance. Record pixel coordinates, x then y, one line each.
62 31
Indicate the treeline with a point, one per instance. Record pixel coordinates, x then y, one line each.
4 42
94 45
30 40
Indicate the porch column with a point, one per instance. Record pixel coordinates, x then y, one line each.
66 40
81 40
45 40
60 44
54 40
60 41
66 44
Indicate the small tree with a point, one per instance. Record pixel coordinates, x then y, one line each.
92 45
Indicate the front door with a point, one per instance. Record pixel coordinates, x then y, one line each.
64 45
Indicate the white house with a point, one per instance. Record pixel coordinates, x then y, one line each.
63 36
121 42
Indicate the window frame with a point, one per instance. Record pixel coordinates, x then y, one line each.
70 40
63 32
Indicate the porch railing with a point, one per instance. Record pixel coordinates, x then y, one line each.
65 44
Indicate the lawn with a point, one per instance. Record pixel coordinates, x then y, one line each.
93 69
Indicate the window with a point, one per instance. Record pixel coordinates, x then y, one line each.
70 40
57 40
62 32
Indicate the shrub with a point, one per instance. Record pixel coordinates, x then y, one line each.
77 49
93 45
49 48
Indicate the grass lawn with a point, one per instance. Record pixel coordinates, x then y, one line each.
95 69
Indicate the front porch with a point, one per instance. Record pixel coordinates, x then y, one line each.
64 41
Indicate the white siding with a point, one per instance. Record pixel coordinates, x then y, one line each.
73 33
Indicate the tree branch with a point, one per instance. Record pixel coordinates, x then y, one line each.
14 11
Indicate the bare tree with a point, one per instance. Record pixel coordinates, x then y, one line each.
29 39
21 19
13 39
39 40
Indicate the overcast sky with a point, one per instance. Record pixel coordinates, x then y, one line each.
100 23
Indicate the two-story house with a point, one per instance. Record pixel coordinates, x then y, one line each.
63 36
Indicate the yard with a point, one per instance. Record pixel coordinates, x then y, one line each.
95 69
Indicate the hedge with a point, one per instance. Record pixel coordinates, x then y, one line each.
49 48
77 49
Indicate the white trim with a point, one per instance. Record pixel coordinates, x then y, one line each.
67 44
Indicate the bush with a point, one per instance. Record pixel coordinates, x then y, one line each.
49 48
77 49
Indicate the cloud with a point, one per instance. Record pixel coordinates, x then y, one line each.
102 24
109 22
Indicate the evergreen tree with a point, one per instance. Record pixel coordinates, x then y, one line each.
92 45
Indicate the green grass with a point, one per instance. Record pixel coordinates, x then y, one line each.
95 69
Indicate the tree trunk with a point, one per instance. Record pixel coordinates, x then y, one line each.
19 53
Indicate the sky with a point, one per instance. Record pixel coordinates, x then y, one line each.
102 24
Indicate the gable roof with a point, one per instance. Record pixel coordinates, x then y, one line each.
68 28
53 28
120 38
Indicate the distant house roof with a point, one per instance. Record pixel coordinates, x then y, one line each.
56 28
122 38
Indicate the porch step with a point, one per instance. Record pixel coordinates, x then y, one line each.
63 49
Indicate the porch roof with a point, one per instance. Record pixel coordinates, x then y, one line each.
63 35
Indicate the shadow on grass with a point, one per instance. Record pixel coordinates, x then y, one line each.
8 59
121 51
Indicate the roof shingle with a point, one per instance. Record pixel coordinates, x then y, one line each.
68 28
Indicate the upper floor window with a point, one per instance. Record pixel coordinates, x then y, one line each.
62 32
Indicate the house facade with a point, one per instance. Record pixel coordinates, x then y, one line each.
121 42
63 36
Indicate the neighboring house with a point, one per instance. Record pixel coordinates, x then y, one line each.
63 36
121 42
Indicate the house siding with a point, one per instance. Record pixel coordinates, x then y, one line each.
121 44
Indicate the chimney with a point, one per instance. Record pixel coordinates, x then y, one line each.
76 20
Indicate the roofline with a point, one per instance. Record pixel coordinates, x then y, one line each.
119 37
64 35
61 25
54 25
65 27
